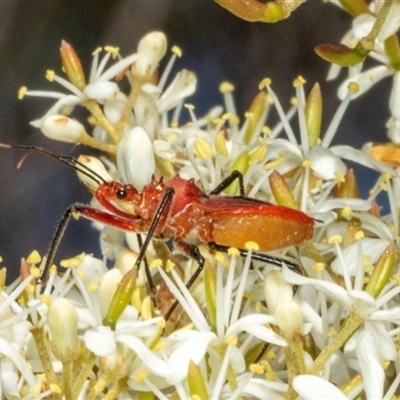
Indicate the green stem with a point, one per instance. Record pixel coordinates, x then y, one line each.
350 325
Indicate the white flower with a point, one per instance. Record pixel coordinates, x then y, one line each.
135 158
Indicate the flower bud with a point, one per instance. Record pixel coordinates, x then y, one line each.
276 289
64 129
151 50
107 288
289 318
135 158
281 190
72 65
93 164
62 319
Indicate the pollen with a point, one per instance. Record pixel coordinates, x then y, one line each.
34 258
231 117
141 375
386 176
320 266
335 239
156 263
332 332
177 50
92 287
299 81
346 211
294 101
264 83
226 87
249 115
22 92
50 74
55 388
35 272
353 87
396 279
97 50
307 163
114 51
256 368
189 106
220 144
169 266
359 235
250 245
232 340
339 176
233 251
221 259
45 299
202 149
72 262
266 130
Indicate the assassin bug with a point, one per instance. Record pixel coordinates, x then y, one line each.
176 208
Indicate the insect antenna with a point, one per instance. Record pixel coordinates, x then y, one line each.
68 160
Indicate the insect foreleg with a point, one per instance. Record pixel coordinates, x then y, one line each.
228 181
89 213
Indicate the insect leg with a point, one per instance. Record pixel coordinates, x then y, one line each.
192 251
228 181
150 282
95 215
260 257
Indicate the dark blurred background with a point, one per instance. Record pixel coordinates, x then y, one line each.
216 45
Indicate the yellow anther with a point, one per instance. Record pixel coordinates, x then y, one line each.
346 211
72 262
299 81
45 299
234 119
189 106
306 163
97 50
169 266
220 144
335 239
339 176
22 92
177 50
202 149
141 376
35 272
320 266
34 257
114 51
250 245
332 332
232 340
156 263
266 130
233 251
226 87
264 83
359 235
353 87
92 287
256 368
50 74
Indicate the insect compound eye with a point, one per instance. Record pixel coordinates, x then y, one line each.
121 192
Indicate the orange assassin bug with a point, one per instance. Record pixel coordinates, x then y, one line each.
177 208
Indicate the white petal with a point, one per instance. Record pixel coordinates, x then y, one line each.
371 250
370 364
394 101
100 341
386 348
263 389
332 290
152 362
193 349
325 164
182 86
253 324
100 90
365 80
354 204
392 22
312 387
8 350
9 384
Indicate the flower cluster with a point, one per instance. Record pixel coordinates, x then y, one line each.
110 328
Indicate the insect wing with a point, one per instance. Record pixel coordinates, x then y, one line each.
237 221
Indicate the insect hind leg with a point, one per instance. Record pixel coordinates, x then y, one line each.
279 262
